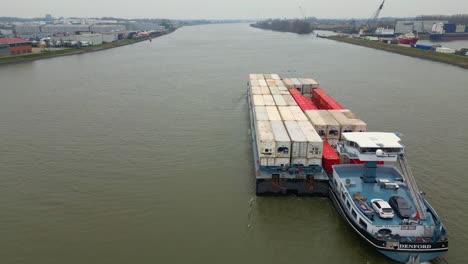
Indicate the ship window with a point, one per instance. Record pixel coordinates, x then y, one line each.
353 213
266 150
348 204
362 223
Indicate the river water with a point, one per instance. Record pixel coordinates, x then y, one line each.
141 154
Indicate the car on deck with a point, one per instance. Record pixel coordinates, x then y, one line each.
401 206
382 208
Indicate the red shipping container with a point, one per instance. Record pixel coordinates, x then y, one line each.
303 102
329 157
324 101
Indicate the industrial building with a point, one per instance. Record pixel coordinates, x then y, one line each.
402 27
42 30
14 46
92 39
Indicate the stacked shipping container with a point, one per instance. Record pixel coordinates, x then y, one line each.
305 103
277 144
323 101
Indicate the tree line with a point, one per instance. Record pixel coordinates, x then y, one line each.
286 25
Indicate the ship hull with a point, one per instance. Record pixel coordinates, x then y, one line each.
403 252
408 41
448 36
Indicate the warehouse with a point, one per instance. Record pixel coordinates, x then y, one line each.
14 46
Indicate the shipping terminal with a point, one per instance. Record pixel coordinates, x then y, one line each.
305 142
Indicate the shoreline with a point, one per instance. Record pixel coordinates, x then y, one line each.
68 52
452 59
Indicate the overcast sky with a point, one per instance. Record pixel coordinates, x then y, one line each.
219 9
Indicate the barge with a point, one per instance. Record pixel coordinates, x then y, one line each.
305 142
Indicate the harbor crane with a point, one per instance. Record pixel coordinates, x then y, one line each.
371 24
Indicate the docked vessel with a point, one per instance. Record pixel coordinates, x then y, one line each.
447 32
408 38
305 142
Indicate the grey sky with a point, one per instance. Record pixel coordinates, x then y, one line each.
213 9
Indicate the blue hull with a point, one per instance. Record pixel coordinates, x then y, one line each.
397 255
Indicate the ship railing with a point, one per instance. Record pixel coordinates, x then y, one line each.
412 186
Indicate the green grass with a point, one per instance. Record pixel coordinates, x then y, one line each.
37 55
453 59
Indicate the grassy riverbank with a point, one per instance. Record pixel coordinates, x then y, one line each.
72 51
457 60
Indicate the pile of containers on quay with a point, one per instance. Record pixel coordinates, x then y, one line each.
295 121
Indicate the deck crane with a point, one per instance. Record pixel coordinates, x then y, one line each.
372 22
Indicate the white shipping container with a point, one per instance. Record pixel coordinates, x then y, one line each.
315 161
265 90
445 50
254 82
267 161
271 83
279 83
282 141
314 141
324 123
286 114
302 161
274 90
275 76
272 113
281 161
282 88
262 83
253 76
297 84
257 99
298 140
260 114
267 76
255 90
288 83
268 99
298 114
260 77
285 93
279 100
348 121
289 100
306 86
265 140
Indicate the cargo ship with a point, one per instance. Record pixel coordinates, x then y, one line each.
305 142
447 32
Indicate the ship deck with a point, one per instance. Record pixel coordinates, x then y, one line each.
375 191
